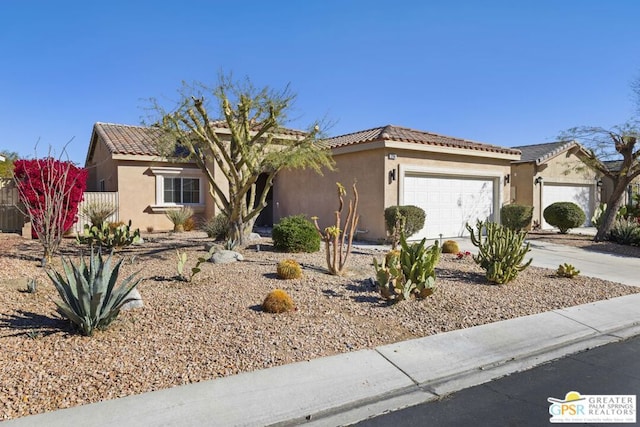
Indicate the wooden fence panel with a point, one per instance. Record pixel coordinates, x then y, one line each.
11 217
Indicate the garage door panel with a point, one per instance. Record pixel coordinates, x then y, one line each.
449 203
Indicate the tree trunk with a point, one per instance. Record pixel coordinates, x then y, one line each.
609 215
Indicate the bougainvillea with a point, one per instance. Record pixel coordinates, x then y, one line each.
50 190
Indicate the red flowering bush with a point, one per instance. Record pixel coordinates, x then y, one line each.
50 190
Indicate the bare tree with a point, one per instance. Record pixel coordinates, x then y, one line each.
247 138
617 143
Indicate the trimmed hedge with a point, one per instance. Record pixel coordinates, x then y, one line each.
564 216
295 234
413 219
516 217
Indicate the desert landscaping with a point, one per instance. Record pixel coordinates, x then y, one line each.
214 326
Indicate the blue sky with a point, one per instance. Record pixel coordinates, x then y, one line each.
502 72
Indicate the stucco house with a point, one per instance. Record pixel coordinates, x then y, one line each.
456 181
554 172
125 159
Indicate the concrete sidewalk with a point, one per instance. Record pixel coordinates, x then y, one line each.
349 387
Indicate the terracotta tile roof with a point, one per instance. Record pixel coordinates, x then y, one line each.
126 139
142 140
401 134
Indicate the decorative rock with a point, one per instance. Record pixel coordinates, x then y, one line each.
137 303
253 238
226 257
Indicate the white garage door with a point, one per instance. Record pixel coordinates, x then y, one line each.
578 194
449 203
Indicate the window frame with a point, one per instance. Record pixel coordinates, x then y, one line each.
161 173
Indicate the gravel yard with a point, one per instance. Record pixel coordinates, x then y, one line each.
214 327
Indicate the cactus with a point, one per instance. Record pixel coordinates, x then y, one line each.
567 270
89 297
450 247
182 261
338 240
110 236
409 273
289 269
501 252
278 301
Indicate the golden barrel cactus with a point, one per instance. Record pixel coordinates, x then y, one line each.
450 247
289 269
278 301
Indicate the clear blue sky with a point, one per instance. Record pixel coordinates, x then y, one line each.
502 72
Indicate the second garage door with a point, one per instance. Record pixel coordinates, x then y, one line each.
449 203
578 194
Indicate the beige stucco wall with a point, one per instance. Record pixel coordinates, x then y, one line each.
102 167
566 168
304 192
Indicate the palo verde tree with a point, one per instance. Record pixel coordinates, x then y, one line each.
245 137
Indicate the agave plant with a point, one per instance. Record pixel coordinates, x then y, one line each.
88 293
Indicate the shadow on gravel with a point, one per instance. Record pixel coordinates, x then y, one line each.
367 286
34 324
471 277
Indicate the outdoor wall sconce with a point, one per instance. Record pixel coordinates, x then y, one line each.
507 178
392 156
599 183
392 175
538 180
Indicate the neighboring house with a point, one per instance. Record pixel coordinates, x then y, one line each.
454 180
633 189
125 159
554 172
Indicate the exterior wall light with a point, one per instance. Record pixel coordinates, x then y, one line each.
538 180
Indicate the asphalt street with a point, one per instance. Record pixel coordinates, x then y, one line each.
520 399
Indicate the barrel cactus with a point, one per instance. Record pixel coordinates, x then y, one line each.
278 301
450 247
289 269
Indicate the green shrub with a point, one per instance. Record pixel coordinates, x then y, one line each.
295 234
500 252
564 216
410 219
625 232
516 217
88 293
217 227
